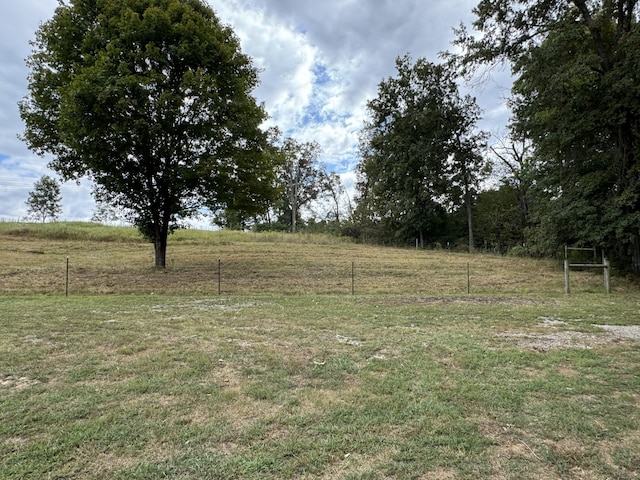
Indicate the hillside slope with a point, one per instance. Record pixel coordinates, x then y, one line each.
116 260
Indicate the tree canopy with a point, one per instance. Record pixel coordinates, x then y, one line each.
44 200
151 99
419 151
303 179
577 98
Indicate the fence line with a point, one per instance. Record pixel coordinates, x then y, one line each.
325 276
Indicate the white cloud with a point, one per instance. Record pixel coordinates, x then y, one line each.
320 60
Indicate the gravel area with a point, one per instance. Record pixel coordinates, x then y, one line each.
543 342
628 331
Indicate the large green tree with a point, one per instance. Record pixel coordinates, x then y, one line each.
150 99
420 153
577 98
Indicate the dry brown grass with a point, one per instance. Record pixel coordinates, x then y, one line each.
265 263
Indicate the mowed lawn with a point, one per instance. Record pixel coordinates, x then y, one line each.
400 380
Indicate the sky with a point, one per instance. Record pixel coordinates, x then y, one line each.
320 62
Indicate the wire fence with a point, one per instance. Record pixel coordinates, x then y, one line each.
238 275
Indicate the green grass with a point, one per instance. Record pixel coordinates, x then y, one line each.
311 386
97 232
94 232
384 384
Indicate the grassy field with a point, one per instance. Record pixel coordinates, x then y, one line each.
109 260
286 374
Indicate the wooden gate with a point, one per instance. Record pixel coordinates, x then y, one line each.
605 265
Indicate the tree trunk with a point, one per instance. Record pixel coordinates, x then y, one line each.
161 233
596 33
635 260
294 215
160 247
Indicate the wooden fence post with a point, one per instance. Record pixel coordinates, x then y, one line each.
353 278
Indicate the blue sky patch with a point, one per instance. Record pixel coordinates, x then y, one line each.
321 74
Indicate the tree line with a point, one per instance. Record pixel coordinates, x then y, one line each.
152 100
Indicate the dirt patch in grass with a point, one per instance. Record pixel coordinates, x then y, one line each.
567 371
543 342
110 463
17 383
439 474
557 340
626 331
505 443
357 465
511 455
468 300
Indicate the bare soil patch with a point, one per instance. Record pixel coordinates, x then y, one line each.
543 342
626 331
467 300
17 383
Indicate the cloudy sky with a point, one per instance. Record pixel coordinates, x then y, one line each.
320 60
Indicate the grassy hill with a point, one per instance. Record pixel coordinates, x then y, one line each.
116 260
140 374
